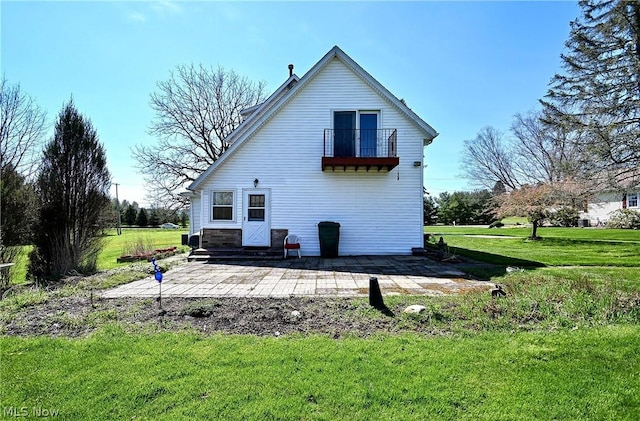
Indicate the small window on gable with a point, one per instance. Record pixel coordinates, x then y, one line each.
222 205
632 200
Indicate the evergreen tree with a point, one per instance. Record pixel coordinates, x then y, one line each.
598 97
142 220
461 207
72 191
498 188
154 221
429 210
130 215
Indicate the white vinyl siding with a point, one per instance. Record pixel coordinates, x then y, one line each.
195 223
379 212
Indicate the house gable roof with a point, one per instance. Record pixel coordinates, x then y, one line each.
286 91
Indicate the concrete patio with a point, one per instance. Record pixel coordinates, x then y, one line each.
309 276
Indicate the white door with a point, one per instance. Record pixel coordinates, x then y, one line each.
256 231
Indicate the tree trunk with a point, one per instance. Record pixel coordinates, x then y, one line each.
534 230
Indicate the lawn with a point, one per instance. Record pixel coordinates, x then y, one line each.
570 375
562 345
601 253
591 234
117 245
136 238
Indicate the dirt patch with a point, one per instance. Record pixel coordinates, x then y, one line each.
79 316
82 311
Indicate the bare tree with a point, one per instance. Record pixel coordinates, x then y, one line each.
544 153
487 159
195 111
22 126
533 153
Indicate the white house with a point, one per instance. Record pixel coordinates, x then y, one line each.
334 145
601 206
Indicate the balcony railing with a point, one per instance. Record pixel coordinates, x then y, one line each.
360 149
365 143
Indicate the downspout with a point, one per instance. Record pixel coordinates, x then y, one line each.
191 219
201 220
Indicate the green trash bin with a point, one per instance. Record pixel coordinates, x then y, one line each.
329 236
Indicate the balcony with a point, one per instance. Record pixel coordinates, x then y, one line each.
360 150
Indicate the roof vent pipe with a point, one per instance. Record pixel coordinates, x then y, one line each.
290 70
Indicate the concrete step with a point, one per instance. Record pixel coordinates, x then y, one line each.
244 253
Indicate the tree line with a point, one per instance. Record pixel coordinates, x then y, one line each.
461 207
132 214
488 207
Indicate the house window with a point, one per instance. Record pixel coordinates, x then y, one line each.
632 200
222 206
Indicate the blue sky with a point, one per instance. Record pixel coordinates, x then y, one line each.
459 65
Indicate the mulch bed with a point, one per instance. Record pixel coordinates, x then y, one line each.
158 254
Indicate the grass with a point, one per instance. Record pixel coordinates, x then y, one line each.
562 345
552 350
515 220
19 270
114 247
591 234
568 252
117 245
493 376
551 251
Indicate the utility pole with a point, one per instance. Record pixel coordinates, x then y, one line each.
0 204
119 228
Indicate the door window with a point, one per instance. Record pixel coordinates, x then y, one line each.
256 209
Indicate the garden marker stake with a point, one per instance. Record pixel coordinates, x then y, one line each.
158 277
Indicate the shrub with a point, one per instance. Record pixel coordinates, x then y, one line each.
564 217
140 246
624 218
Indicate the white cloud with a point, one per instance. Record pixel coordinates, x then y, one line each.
165 8
151 10
136 17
